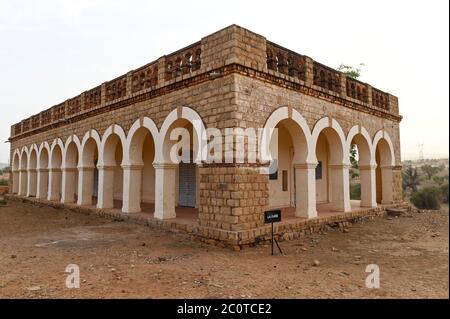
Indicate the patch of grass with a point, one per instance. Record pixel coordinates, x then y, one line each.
4 182
355 191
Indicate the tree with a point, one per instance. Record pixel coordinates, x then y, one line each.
410 179
354 171
438 179
429 170
350 71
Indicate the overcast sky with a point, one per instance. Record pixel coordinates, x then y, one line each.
54 50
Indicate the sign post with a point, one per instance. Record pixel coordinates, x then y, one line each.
273 216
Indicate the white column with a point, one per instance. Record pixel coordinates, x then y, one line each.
68 185
23 185
340 187
305 190
386 185
105 186
85 185
132 177
368 185
15 185
54 184
42 183
165 176
32 182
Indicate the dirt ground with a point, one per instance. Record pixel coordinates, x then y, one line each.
121 260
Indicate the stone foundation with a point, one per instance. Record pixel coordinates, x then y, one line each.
236 240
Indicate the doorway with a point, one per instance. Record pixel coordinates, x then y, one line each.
187 184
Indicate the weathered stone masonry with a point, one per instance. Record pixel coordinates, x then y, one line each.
108 146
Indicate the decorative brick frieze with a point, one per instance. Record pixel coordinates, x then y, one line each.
380 99
243 46
285 61
46 117
326 77
74 106
356 90
35 121
145 78
92 98
26 125
116 89
58 112
184 61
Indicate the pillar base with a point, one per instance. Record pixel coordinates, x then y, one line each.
132 175
68 185
105 186
305 205
85 185
165 190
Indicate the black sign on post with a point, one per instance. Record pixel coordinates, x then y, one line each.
270 217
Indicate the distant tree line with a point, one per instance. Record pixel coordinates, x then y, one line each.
3 181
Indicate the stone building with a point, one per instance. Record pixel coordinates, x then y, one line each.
109 147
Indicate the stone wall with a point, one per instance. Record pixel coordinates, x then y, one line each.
232 197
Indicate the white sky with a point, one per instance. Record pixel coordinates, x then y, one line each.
54 50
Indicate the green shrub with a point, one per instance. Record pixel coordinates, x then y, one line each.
355 191
427 198
444 192
3 182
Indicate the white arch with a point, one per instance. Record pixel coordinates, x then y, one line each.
142 122
15 165
34 148
338 164
382 134
385 166
16 153
31 170
194 118
280 114
46 146
355 130
69 140
86 166
303 161
106 156
90 134
23 158
132 165
113 129
322 124
42 176
366 164
23 172
56 142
